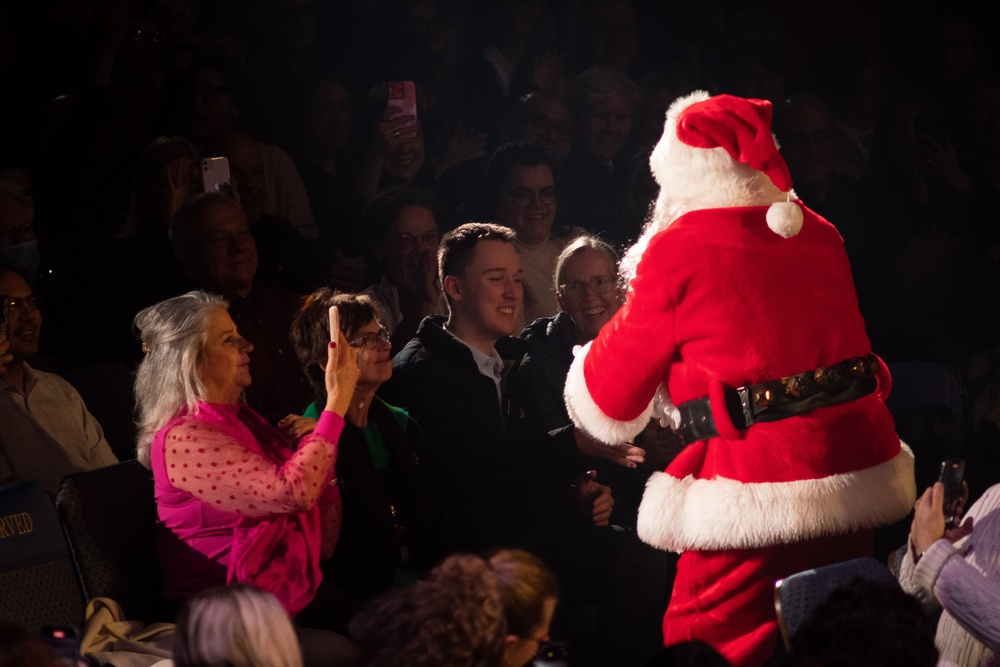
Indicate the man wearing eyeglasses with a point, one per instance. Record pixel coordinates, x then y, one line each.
215 247
47 432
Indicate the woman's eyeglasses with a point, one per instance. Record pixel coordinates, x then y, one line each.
575 289
371 339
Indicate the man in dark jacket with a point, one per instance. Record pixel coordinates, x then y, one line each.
509 483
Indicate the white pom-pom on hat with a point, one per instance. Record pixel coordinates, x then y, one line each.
784 219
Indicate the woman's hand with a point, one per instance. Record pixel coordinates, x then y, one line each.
297 427
341 375
394 128
928 520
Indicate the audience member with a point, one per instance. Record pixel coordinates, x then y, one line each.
589 294
866 624
529 595
235 626
393 526
47 431
405 229
482 434
216 248
322 133
212 97
286 260
454 617
521 189
166 174
487 77
236 500
952 570
595 177
542 117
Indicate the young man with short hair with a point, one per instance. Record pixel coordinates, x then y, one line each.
509 483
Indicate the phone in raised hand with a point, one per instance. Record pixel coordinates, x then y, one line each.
952 473
334 323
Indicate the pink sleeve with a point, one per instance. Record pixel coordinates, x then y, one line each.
213 465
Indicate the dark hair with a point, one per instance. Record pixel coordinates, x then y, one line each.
382 213
233 77
7 267
188 215
504 160
866 624
458 244
310 329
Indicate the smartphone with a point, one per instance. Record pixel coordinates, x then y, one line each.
334 323
952 473
5 307
215 173
403 96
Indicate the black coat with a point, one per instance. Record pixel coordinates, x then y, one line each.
503 476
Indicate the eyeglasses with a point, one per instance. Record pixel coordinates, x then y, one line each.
371 339
412 242
575 289
10 304
9 235
523 197
211 94
239 238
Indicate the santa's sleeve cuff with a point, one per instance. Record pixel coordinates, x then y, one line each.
587 415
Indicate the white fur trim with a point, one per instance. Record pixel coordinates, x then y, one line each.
586 414
784 219
714 514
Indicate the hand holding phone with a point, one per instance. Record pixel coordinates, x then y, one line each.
334 323
215 173
402 95
952 473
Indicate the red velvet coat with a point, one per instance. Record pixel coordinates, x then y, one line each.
720 300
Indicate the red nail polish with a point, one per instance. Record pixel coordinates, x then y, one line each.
333 344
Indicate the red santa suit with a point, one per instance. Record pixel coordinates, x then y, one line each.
735 285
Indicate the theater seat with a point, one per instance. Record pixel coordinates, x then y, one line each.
109 516
796 596
38 584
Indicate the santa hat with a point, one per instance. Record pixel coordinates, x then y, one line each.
742 127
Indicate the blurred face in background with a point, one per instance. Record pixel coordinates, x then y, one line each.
327 117
212 107
604 127
410 248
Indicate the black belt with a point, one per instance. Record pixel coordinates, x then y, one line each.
780 399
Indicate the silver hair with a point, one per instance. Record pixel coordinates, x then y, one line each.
173 336
236 626
578 245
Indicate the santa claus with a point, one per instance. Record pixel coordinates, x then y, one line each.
741 329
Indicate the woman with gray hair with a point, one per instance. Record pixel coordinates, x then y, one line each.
235 626
237 499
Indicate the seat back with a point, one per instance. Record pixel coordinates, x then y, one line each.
109 516
797 596
38 584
